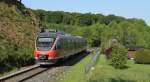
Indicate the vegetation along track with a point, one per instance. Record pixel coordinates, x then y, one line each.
33 73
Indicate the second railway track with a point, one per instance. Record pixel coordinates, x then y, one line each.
23 75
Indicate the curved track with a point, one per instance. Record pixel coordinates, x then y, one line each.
23 74
36 70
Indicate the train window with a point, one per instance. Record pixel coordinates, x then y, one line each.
58 46
67 43
72 44
45 39
44 43
61 43
64 43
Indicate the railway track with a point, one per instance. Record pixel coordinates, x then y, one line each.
23 75
36 71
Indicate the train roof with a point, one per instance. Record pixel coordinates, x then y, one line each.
51 33
46 34
54 34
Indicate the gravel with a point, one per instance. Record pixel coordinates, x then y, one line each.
56 73
51 75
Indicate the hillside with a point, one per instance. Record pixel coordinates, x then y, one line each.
17 30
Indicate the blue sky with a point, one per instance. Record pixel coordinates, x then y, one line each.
126 8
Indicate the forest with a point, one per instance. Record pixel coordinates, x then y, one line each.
98 27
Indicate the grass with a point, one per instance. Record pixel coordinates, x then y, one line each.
77 73
103 72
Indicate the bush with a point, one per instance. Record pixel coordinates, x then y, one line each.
142 56
118 57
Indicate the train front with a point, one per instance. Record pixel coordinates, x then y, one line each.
45 52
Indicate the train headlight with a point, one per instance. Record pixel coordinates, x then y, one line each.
50 58
36 57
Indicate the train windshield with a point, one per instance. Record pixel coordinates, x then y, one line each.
44 43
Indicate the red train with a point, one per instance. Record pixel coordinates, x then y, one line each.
52 45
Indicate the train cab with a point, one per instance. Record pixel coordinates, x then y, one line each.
45 49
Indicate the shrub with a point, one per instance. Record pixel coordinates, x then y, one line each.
142 56
118 57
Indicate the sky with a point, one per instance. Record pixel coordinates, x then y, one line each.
126 8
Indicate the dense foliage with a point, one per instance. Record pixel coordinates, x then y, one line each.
142 56
17 28
97 26
60 17
118 57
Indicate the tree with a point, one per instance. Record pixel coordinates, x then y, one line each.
118 57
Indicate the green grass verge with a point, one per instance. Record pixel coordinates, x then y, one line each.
77 72
103 72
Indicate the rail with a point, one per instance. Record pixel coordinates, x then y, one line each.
93 61
10 76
